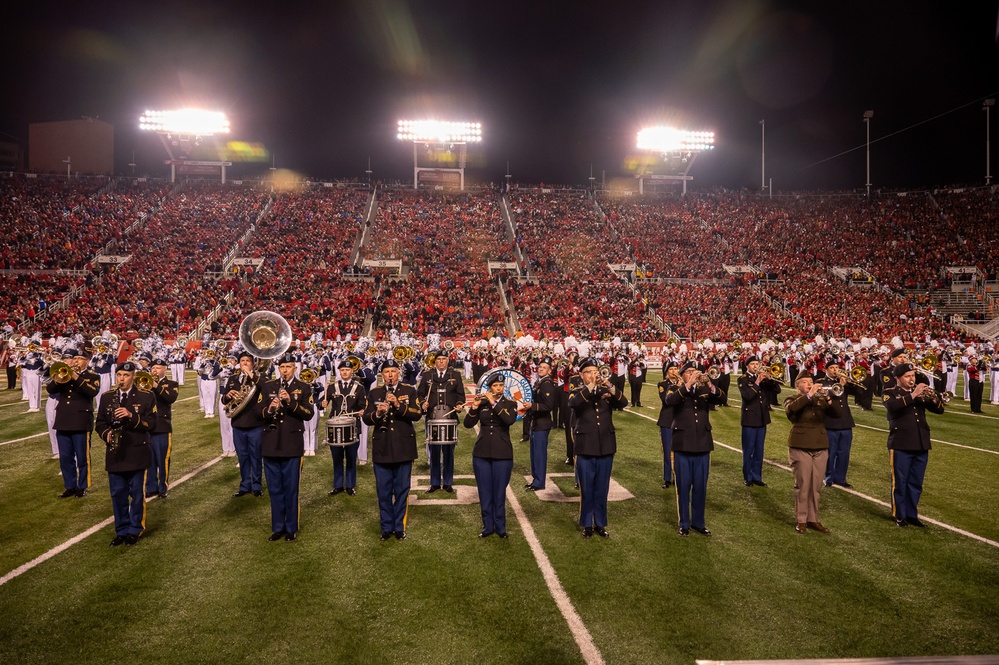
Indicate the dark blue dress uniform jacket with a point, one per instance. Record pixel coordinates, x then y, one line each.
691 428
755 402
908 429
165 392
393 438
75 411
133 452
545 399
593 428
494 423
284 431
249 417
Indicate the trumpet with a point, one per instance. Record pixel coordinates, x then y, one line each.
144 381
60 372
836 390
933 396
605 372
713 373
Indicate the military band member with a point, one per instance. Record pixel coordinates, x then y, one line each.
595 444
492 456
671 379
908 441
808 447
74 420
285 406
165 392
345 395
839 429
442 395
125 416
692 445
755 418
247 426
390 412
539 412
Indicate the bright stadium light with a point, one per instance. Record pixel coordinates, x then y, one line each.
444 146
671 139
191 122
439 131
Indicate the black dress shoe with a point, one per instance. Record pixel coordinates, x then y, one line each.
258 492
335 491
351 491
667 484
748 483
847 485
502 534
400 535
67 494
80 493
276 536
449 489
118 540
704 531
759 483
900 522
163 495
532 488
684 532
289 537
602 532
433 488
131 539
385 535
568 461
827 484
485 534
914 521
240 493
528 486
588 532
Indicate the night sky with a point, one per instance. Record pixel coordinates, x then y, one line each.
558 86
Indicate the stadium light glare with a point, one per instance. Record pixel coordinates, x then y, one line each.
671 139
192 122
439 131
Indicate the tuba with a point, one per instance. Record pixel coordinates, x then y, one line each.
264 335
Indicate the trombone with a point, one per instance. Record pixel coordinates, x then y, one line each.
776 373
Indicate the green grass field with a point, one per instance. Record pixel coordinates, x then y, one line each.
204 585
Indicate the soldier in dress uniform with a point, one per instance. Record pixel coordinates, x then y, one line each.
754 386
74 420
284 405
390 412
595 444
247 426
441 392
839 428
908 441
345 395
671 379
539 415
692 445
492 456
125 416
165 392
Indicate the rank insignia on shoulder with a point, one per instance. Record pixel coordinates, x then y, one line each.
662 389
885 397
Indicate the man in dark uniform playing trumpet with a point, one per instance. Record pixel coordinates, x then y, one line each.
442 394
125 416
755 418
539 414
391 411
285 404
161 439
247 426
74 419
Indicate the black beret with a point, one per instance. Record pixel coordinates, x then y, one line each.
246 353
390 363
897 352
546 361
159 361
126 367
587 362
343 363
496 378
287 358
690 364
833 361
752 359
902 369
71 352
670 365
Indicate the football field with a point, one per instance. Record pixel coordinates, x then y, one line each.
204 585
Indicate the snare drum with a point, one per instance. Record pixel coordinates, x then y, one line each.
443 432
341 431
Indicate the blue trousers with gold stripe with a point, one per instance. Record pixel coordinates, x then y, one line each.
908 469
159 468
283 475
666 438
392 483
594 474
74 459
691 472
128 501
492 477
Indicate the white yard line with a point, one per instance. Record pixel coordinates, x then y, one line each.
944 525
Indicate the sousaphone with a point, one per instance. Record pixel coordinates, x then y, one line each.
265 335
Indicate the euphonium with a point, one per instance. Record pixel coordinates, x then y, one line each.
776 373
355 363
429 359
401 353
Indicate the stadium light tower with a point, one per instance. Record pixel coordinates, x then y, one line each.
445 144
987 107
867 121
678 147
182 131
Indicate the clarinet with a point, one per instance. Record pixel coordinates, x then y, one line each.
113 405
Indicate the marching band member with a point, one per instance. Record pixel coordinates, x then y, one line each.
441 392
8 360
225 422
595 444
208 385
755 418
839 429
165 391
670 380
31 365
994 379
976 386
103 363
74 419
492 456
345 395
247 426
178 361
952 370
285 406
909 441
51 404
312 426
391 411
539 412
636 376
125 416
808 447
692 444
